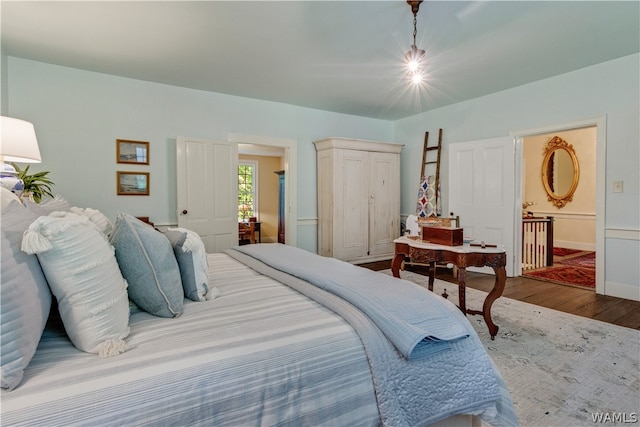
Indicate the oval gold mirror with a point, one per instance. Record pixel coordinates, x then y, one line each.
560 171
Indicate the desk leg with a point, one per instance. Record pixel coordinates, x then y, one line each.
396 262
432 274
462 289
496 292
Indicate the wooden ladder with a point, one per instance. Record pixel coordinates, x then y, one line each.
428 159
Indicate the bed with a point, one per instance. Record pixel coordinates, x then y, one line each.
276 345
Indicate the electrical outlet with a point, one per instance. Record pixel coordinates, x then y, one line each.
617 186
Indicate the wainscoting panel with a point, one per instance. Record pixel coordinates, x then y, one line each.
622 250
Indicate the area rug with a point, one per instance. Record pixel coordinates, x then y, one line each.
586 259
564 251
561 369
584 277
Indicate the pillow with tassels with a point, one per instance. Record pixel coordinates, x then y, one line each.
192 261
82 272
97 217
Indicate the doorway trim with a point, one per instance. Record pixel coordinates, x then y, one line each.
290 178
601 143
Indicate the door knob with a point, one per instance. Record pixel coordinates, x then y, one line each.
184 212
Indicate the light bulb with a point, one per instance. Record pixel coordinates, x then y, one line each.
414 66
414 59
417 78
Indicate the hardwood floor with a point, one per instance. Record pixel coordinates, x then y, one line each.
581 302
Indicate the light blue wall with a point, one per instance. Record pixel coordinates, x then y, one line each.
4 98
78 115
611 88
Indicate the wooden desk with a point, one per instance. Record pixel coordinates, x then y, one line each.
461 256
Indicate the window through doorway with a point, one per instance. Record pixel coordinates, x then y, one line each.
247 190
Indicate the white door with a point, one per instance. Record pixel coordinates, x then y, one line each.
207 178
482 192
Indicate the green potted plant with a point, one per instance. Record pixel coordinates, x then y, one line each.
36 185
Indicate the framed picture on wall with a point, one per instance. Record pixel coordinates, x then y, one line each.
134 152
133 183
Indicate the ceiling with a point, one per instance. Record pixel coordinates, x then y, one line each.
341 56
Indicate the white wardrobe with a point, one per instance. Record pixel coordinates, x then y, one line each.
358 199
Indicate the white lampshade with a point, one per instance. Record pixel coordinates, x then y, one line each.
18 141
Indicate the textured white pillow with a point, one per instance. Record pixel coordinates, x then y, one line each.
45 207
97 217
82 272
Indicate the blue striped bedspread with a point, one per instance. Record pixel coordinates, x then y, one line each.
262 353
417 324
259 354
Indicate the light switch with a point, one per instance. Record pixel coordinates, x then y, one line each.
617 186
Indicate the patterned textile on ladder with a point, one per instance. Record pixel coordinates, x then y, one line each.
428 204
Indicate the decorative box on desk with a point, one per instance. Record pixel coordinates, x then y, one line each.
449 236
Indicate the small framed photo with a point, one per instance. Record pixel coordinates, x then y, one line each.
133 183
133 152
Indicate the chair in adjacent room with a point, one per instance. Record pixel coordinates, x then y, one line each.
246 233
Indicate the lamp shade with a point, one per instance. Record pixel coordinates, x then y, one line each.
18 141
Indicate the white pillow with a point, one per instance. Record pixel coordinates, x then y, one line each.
97 217
82 272
7 197
46 206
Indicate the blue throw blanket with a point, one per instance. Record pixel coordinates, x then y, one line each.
418 324
460 380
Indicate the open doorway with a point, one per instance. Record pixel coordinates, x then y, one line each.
287 148
592 182
559 210
258 189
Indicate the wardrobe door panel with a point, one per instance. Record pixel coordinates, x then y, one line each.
352 213
384 203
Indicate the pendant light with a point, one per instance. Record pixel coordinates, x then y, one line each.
415 56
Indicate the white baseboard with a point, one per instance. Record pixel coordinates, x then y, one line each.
622 290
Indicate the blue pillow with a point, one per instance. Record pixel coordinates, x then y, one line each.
147 262
192 260
25 298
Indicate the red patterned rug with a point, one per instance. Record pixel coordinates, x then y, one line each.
584 260
565 251
566 275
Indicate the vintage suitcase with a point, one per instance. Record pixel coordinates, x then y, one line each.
449 236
